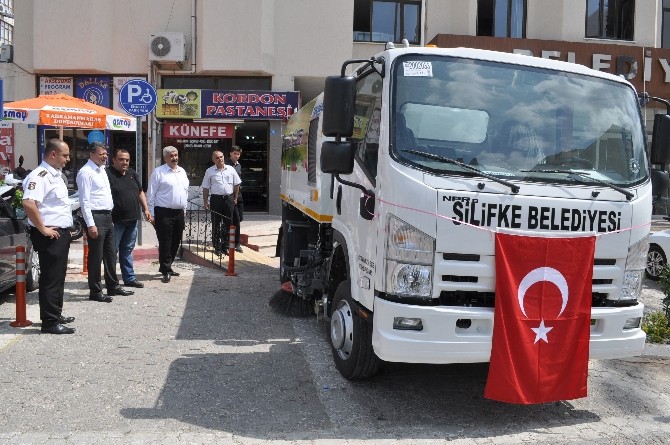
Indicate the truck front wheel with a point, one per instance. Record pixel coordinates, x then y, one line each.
351 338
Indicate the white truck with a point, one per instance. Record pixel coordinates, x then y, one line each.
395 179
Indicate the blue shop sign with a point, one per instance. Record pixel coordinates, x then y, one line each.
95 90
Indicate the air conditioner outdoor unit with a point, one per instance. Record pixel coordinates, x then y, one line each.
6 52
167 47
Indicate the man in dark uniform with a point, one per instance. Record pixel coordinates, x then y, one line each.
128 196
45 200
238 206
95 198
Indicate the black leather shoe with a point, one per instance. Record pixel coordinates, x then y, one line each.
166 278
119 291
57 329
134 283
239 249
101 298
65 320
173 273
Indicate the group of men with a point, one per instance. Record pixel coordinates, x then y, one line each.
110 200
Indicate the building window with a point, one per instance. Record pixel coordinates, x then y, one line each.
6 21
501 18
387 20
610 19
665 36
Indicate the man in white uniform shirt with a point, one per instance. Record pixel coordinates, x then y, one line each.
47 206
167 195
95 198
220 189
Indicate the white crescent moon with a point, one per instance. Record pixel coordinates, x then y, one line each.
544 274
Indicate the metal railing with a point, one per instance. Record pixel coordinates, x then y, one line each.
197 236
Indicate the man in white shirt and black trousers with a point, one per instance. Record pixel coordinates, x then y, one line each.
220 189
167 195
95 198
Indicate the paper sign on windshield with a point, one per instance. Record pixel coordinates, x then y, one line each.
417 68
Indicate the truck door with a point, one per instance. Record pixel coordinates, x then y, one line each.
364 226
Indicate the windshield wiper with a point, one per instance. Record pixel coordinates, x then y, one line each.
464 166
625 192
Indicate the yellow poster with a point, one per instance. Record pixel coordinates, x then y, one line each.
174 104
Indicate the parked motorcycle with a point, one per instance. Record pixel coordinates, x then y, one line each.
14 233
78 223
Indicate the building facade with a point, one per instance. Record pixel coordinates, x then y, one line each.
230 72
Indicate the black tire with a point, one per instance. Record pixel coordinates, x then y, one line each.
77 230
351 338
656 262
32 270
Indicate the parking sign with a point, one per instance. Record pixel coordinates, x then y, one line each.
137 97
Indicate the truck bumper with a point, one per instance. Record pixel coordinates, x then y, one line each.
442 341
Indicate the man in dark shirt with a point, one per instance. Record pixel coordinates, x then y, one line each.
128 196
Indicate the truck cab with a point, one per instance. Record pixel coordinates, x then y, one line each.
424 154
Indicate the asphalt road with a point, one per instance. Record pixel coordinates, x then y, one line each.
204 360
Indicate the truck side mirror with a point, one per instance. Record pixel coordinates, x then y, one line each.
660 140
339 98
659 182
337 158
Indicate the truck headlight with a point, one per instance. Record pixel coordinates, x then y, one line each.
635 264
409 260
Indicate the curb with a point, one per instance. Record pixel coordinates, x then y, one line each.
145 253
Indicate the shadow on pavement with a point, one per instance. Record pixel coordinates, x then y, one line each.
248 374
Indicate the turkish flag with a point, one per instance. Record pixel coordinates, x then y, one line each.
542 318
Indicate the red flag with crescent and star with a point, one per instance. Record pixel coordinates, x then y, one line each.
542 318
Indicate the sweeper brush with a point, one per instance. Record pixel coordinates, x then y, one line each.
287 303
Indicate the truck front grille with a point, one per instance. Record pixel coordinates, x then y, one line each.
468 280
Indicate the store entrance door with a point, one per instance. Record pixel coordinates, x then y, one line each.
252 138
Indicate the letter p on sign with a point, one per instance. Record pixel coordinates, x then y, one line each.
134 93
137 97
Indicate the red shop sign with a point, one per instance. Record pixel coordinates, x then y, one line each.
190 130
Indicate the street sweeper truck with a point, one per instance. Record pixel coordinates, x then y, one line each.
397 178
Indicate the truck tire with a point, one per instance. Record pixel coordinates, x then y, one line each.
32 270
351 338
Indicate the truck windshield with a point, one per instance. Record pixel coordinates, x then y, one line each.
514 121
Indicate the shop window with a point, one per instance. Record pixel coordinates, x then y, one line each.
387 21
665 37
77 140
611 19
501 18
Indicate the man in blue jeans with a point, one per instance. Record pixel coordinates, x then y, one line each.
128 196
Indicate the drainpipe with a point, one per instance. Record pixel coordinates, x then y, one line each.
154 77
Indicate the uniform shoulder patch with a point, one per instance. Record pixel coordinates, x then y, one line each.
42 174
31 185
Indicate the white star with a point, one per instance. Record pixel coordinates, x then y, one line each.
541 332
